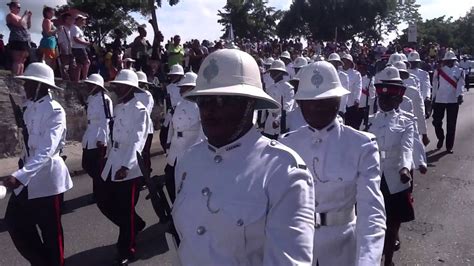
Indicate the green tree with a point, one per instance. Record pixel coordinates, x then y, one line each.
325 19
249 18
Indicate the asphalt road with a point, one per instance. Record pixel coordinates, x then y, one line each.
442 234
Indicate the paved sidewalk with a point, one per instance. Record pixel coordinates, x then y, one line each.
73 151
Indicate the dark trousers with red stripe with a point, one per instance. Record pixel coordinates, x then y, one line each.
93 161
451 110
117 200
23 216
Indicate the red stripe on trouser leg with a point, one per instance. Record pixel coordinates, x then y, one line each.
57 207
132 218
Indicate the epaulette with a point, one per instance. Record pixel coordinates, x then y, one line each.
297 160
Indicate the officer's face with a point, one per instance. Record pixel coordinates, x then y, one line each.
320 113
223 118
30 89
91 88
121 90
449 63
347 64
275 74
389 102
184 89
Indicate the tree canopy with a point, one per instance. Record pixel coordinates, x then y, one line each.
326 19
249 18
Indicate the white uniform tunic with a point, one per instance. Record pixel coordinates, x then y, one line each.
175 97
248 203
425 84
97 121
267 80
344 78
355 86
418 108
346 170
44 171
146 99
282 91
395 136
185 130
443 91
131 123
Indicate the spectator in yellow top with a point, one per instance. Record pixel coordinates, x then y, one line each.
175 52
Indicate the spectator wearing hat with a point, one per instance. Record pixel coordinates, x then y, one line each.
79 49
19 41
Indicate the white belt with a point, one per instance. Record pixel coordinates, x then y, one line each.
335 218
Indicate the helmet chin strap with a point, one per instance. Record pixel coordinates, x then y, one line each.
38 86
240 127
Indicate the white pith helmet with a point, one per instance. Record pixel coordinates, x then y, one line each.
126 77
176 70
96 79
40 72
318 81
230 72
189 79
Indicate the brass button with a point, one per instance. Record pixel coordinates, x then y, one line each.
205 191
201 230
273 143
240 222
218 159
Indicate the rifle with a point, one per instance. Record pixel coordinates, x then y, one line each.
367 107
108 115
283 128
20 123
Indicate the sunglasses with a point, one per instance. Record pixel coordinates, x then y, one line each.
220 101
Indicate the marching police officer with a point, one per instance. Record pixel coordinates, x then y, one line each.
171 100
448 84
355 89
367 100
289 66
185 131
241 197
146 98
395 136
336 61
97 135
39 185
341 237
282 92
423 76
119 189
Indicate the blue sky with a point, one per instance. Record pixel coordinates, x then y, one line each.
198 18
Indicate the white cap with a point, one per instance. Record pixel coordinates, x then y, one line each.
230 72
3 192
95 79
414 57
395 57
128 59
348 57
334 57
268 61
300 62
80 16
318 81
449 55
278 65
40 72
176 70
127 77
142 77
286 55
402 67
389 74
189 79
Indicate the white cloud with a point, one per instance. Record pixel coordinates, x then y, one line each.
430 9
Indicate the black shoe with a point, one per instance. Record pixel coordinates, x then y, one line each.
440 144
397 245
450 151
124 261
